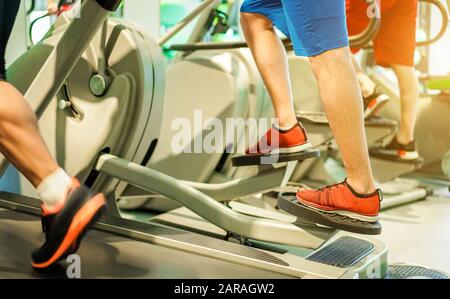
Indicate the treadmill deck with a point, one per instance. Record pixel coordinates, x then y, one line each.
105 255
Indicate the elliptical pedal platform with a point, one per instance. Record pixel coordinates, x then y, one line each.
401 271
376 153
343 253
265 159
289 203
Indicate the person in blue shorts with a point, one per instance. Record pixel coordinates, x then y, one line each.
318 30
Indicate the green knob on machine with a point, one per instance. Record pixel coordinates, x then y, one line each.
98 85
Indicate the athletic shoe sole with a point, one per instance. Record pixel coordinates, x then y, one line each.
288 202
324 209
400 154
292 149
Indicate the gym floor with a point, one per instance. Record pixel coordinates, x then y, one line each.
418 233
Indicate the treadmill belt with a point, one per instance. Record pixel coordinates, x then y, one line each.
105 255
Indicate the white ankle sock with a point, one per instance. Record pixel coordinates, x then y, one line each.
53 188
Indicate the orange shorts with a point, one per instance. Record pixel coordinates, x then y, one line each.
396 40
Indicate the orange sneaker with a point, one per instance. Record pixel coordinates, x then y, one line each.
280 142
65 225
343 200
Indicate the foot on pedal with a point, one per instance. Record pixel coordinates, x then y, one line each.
65 226
374 103
337 206
278 146
397 152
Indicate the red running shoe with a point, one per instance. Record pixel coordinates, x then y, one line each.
277 141
342 199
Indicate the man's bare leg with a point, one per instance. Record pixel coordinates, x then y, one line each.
409 100
270 57
20 140
338 86
341 96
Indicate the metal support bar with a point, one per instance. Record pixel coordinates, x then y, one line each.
404 198
186 21
207 207
270 179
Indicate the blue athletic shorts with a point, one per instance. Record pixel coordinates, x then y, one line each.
314 26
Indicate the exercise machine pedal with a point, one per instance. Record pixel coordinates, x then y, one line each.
288 202
403 271
343 253
375 153
265 159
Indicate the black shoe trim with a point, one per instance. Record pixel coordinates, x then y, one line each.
360 195
288 130
395 145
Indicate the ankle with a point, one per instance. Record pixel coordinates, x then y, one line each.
286 122
53 189
404 138
362 187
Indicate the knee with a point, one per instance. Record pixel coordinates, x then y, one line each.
407 79
331 60
255 22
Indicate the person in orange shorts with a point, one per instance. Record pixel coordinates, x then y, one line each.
394 47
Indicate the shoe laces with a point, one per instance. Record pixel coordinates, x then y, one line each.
331 187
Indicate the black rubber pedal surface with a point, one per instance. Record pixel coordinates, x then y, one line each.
267 159
343 253
414 272
289 203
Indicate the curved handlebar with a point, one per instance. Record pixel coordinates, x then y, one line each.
358 41
445 21
364 38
